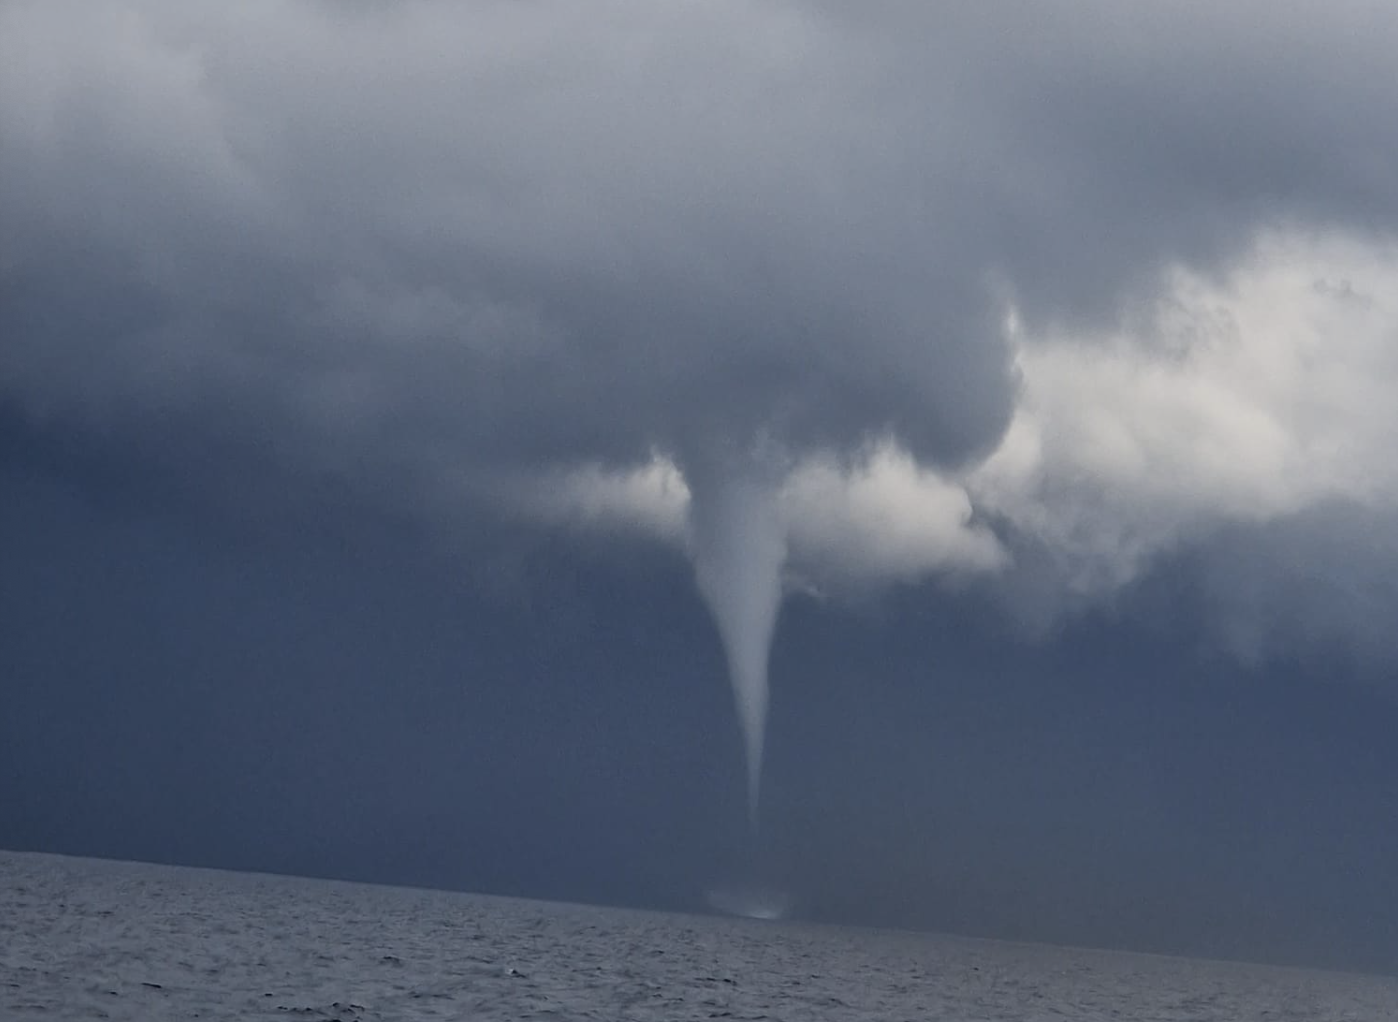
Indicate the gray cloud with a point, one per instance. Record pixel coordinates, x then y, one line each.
1321 583
1253 404
437 244
690 224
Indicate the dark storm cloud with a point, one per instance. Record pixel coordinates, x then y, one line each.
399 253
512 232
1321 585
440 236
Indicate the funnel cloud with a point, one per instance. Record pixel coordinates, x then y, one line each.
738 545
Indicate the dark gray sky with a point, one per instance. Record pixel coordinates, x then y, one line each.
359 365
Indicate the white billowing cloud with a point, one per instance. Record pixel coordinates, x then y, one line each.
1250 397
1251 417
883 518
880 517
1243 398
651 498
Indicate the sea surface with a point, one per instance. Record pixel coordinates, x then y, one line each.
92 939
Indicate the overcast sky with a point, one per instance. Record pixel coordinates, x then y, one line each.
377 381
